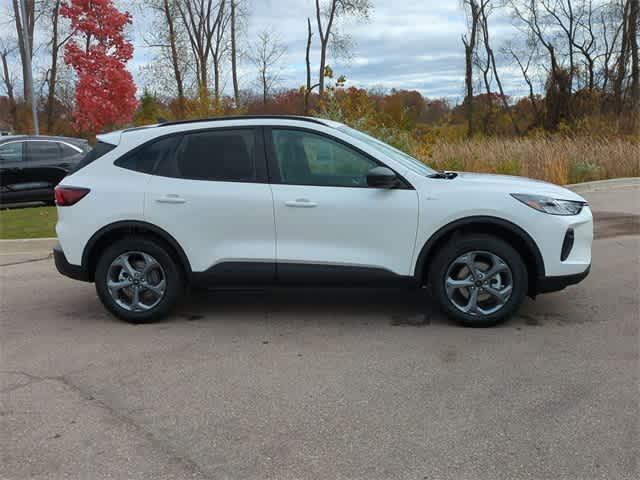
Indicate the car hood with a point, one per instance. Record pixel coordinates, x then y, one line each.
513 184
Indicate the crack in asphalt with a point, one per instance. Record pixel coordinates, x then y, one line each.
163 446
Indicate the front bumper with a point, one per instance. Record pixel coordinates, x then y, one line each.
555 284
77 272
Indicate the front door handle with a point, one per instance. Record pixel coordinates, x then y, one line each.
301 203
174 199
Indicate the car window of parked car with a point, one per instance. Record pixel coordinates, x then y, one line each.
306 158
101 148
145 158
42 151
11 152
221 155
68 151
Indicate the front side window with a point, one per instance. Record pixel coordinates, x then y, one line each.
11 152
306 158
221 155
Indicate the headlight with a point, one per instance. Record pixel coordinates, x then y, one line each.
550 205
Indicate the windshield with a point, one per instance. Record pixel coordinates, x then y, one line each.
399 156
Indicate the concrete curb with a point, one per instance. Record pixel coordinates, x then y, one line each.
26 246
600 185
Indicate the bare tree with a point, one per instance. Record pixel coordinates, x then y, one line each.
525 66
326 15
56 43
8 46
309 88
485 11
201 20
634 14
234 54
29 6
167 33
219 48
265 55
470 40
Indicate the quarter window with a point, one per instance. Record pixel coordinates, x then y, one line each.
146 158
222 155
306 158
11 152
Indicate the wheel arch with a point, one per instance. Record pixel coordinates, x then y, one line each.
117 230
516 236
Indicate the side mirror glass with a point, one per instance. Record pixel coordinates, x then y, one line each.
382 177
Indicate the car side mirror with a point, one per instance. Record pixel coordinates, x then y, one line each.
382 177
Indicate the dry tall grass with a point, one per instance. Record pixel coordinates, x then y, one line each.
559 160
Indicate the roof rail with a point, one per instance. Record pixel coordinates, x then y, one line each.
245 117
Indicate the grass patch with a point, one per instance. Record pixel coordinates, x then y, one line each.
33 222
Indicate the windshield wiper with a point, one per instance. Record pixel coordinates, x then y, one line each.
444 175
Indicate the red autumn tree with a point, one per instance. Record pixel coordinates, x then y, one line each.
98 52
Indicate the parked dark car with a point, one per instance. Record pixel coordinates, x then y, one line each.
30 167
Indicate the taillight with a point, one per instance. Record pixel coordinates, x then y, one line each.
67 196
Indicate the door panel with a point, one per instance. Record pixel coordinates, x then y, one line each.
327 215
214 222
211 195
44 165
365 227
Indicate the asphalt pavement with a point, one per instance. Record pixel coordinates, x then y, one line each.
325 384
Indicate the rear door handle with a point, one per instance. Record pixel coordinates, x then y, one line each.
301 203
174 199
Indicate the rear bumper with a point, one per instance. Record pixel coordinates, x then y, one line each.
554 284
77 272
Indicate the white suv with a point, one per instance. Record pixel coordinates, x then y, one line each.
255 201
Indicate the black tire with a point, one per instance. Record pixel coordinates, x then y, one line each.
172 273
460 245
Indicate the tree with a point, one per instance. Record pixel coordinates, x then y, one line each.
469 40
98 52
29 7
7 49
265 55
326 16
204 19
56 44
485 11
234 52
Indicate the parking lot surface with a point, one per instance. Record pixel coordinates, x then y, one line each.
325 384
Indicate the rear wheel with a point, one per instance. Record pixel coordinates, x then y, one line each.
479 280
137 280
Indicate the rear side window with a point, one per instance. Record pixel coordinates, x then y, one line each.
38 151
222 155
101 148
145 158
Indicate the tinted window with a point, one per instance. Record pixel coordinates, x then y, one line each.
222 155
146 158
11 152
98 151
39 151
306 158
67 151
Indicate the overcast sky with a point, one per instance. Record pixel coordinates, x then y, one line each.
407 44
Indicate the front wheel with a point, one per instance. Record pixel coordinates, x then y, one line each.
137 280
479 280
